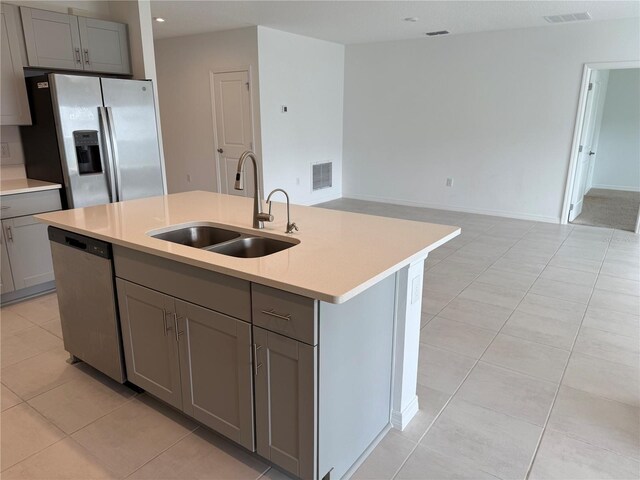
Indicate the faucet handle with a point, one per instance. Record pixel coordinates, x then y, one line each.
291 227
265 217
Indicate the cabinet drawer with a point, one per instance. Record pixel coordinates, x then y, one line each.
292 315
21 204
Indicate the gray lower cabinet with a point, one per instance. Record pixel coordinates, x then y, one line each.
6 283
215 360
28 251
285 399
150 347
193 358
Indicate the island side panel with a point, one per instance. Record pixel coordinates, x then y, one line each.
409 282
355 367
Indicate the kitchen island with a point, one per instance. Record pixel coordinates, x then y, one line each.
306 356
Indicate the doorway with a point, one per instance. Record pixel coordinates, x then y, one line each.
603 189
233 127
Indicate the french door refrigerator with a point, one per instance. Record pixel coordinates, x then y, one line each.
96 136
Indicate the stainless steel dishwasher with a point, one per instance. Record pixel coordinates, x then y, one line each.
83 269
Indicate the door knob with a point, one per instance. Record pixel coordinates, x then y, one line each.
220 150
592 153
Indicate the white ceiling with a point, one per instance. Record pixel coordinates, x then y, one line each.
372 21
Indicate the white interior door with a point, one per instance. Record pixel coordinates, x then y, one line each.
586 152
234 128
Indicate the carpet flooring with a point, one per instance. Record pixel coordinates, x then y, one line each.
610 208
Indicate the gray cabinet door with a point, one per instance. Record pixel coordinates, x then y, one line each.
285 400
14 108
105 47
52 39
148 336
215 360
29 251
6 284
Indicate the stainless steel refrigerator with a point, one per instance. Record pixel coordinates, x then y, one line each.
97 136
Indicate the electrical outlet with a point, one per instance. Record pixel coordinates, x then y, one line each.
188 178
297 180
415 289
449 182
5 150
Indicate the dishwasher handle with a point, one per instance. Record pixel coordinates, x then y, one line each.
72 242
80 242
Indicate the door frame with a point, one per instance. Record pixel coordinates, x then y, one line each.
577 132
248 70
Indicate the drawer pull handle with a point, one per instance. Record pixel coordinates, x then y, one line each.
271 313
5 207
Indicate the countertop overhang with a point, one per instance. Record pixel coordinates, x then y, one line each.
25 185
340 254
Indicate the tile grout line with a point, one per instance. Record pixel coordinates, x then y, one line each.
564 371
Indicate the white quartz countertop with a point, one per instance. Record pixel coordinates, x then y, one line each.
25 185
339 254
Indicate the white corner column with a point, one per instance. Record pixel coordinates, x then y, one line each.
404 400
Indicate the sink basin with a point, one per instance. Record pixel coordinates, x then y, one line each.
198 236
251 247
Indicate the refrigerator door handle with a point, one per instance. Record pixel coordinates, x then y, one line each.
106 135
114 149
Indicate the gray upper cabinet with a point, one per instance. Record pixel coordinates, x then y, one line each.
14 108
52 39
215 359
58 40
105 47
148 336
285 398
6 285
29 251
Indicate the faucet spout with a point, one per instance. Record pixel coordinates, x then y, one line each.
239 185
290 226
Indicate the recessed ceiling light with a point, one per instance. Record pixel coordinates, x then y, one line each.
159 19
411 19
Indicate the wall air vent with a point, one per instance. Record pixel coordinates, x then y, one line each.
322 175
568 17
436 33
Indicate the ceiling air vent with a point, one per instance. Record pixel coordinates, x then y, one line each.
568 17
435 34
322 175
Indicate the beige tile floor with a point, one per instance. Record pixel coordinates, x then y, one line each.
529 367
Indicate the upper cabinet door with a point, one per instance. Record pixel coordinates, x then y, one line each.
105 47
52 39
14 108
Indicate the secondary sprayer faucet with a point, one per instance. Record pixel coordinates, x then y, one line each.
290 226
258 216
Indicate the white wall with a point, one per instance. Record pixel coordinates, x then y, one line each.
617 164
183 65
306 75
495 111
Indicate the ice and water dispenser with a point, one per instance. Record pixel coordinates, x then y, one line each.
87 151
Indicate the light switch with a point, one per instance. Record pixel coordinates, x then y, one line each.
5 150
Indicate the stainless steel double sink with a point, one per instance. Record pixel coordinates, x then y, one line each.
223 241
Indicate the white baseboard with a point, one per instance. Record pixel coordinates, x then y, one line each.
617 187
400 420
325 198
495 213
